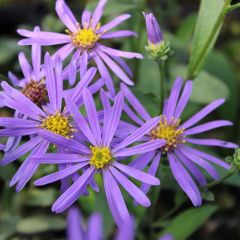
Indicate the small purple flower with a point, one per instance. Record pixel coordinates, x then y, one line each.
99 153
155 36
182 157
51 117
94 230
85 38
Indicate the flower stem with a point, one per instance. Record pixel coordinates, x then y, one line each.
161 66
233 7
230 173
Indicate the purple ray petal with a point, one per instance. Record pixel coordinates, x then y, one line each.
95 222
118 34
118 20
193 169
59 158
42 38
207 126
152 171
59 175
20 151
141 148
132 115
86 18
142 161
83 63
124 65
15 81
16 132
201 162
64 51
183 99
17 122
73 192
184 180
114 118
104 73
114 197
136 135
80 121
58 83
202 113
135 103
118 53
208 157
173 98
25 66
65 14
36 58
92 115
85 81
114 67
212 142
137 174
64 142
134 191
97 14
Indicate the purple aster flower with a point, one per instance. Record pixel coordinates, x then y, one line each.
166 237
184 159
94 230
84 38
99 154
51 117
154 32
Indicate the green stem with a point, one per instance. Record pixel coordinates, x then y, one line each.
233 7
191 72
230 173
161 66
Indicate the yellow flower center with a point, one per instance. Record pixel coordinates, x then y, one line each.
36 92
169 132
85 37
59 124
101 156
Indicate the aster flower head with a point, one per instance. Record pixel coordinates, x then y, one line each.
99 153
179 136
52 117
84 37
158 48
94 230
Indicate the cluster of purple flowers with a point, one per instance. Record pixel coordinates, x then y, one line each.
65 128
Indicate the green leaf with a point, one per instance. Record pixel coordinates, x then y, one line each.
39 224
208 196
185 224
7 226
212 87
206 32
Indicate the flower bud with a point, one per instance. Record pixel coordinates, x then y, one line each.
157 48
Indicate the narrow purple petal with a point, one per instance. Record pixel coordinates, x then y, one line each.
212 142
124 65
135 103
16 132
73 192
92 115
97 14
141 148
20 151
118 34
142 161
96 223
64 51
59 158
114 197
113 120
36 58
202 113
173 98
59 175
201 162
118 53
17 122
134 191
207 126
116 21
184 180
183 99
65 14
208 157
25 66
64 142
86 18
137 174
136 135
